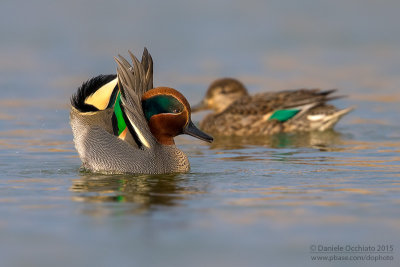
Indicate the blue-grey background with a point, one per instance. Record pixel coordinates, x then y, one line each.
245 202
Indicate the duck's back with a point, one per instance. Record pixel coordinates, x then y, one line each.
271 113
101 151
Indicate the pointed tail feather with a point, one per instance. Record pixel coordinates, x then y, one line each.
327 92
334 97
329 121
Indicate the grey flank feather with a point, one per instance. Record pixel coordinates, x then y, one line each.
133 87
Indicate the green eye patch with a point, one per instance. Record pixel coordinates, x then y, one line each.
161 104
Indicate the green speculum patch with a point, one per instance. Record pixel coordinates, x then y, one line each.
283 115
119 114
161 104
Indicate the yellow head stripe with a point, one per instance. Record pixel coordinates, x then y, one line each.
102 96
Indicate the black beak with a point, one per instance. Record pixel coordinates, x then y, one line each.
199 107
192 130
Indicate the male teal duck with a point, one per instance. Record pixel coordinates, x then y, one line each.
236 113
122 125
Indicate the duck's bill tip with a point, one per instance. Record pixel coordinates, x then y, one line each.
192 130
199 107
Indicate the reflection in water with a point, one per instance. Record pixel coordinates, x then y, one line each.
324 141
146 191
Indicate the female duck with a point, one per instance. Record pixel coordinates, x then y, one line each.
236 113
122 125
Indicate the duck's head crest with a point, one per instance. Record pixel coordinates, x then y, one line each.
220 94
168 114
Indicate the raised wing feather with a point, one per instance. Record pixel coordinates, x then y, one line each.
133 82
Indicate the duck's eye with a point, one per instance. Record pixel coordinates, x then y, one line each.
161 104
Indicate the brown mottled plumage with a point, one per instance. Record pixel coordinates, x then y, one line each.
236 113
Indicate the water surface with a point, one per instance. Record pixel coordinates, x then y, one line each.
245 202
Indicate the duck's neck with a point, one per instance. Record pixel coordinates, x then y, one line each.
223 104
164 139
